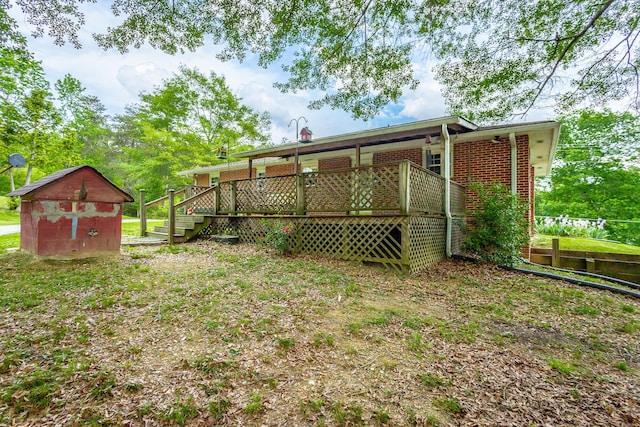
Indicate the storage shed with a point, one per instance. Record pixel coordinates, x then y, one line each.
73 213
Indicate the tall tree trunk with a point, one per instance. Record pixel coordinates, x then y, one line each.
32 156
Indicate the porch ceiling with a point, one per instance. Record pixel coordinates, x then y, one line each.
397 133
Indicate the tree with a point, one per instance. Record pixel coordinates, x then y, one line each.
36 132
495 58
84 120
179 125
596 173
21 76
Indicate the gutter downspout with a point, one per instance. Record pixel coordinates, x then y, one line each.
514 163
447 187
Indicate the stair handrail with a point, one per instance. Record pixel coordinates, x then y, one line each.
175 207
144 206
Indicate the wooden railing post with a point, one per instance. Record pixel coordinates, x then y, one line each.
300 196
188 191
234 195
555 252
405 187
143 215
172 217
216 201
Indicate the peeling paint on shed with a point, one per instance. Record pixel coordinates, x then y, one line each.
73 213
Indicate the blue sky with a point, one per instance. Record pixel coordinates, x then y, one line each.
117 79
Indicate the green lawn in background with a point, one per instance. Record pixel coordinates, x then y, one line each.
7 241
582 244
8 217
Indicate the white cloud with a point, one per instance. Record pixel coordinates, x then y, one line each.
141 77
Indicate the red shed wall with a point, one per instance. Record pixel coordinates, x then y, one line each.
65 229
69 188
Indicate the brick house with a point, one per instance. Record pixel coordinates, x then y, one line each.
510 154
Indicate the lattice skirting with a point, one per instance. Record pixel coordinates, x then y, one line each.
407 243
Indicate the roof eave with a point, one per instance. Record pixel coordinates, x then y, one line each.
366 137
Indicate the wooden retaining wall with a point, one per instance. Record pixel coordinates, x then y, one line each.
621 266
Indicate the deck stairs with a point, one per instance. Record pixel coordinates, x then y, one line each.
187 227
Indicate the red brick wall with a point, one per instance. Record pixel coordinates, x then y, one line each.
413 154
279 170
236 174
334 163
486 161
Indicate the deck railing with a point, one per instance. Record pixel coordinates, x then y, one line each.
395 188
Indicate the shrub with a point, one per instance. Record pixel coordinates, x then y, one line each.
565 226
277 236
500 228
13 202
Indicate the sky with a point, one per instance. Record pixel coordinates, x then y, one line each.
117 79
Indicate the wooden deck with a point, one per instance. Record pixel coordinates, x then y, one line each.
392 214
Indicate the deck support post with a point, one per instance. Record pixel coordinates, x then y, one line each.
143 215
405 187
216 200
172 217
404 243
234 196
300 196
188 191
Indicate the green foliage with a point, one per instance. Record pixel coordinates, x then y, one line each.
596 174
255 404
449 405
565 226
179 125
494 59
277 236
180 412
500 228
561 366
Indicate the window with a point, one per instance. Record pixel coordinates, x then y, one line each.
433 162
214 181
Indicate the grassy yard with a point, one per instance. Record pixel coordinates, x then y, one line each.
9 217
580 244
207 334
128 228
